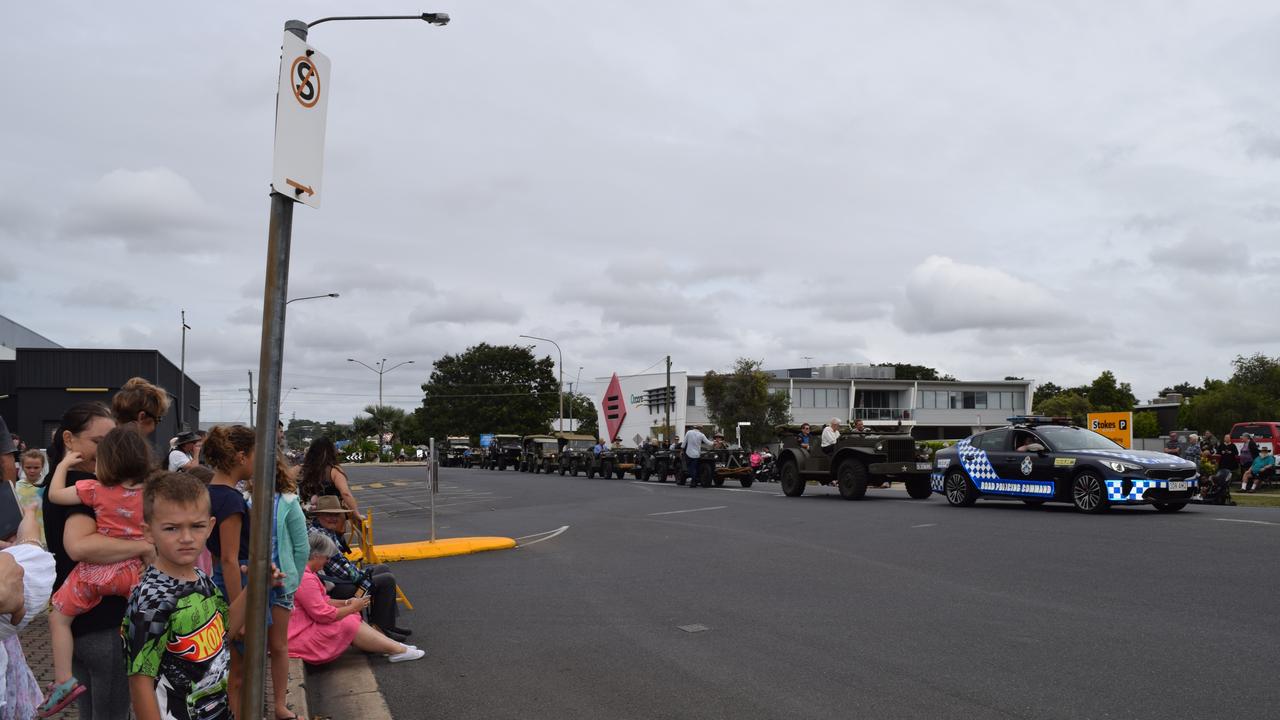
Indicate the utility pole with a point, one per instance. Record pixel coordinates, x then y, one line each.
182 377
671 401
250 389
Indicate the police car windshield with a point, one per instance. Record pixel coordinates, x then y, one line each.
1066 439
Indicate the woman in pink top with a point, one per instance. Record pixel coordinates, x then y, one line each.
321 629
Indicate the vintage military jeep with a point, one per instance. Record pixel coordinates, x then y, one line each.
504 452
575 452
626 460
657 462
541 454
602 463
455 451
858 461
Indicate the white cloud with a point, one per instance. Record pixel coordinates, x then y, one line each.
942 295
1198 252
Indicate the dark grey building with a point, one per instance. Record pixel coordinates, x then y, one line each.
41 383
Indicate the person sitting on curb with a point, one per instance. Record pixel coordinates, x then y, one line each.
321 629
329 518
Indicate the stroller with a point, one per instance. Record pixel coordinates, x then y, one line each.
1216 489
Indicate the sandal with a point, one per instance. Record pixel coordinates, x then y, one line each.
60 696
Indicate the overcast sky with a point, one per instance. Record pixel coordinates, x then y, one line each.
1044 190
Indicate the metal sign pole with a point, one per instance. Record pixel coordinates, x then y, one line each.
433 477
271 359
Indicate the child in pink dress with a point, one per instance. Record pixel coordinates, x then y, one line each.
123 463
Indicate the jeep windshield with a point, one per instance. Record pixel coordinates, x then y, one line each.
581 444
1068 439
459 443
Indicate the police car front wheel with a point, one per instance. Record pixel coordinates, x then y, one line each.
1089 493
959 491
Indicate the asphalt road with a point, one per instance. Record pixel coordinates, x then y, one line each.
816 607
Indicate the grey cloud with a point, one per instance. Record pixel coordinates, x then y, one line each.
465 308
153 209
1201 253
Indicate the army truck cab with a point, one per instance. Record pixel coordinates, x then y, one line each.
456 451
541 454
504 452
575 452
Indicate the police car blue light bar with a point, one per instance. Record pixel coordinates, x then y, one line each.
1038 420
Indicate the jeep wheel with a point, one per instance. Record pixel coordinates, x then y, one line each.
792 483
619 473
707 475
719 481
1089 493
851 476
1169 507
746 481
919 488
562 469
643 474
959 490
663 471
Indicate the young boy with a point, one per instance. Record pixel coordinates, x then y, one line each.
176 627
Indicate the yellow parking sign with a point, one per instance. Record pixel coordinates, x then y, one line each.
1115 425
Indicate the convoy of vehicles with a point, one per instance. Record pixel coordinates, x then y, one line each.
1034 459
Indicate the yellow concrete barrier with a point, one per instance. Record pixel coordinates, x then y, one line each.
425 549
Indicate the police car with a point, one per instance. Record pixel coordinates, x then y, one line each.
1040 459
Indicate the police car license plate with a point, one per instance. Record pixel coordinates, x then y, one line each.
1177 485
924 466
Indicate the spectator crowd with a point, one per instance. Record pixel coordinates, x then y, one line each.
141 562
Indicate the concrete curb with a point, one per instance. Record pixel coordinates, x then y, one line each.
445 547
297 694
346 688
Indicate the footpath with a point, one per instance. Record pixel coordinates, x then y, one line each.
35 645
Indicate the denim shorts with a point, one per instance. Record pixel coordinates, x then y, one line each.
281 599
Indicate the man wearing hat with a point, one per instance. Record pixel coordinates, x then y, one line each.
329 518
183 455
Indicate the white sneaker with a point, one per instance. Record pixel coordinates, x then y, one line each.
410 653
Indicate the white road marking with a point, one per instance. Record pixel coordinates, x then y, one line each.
925 525
1251 522
759 492
677 512
547 536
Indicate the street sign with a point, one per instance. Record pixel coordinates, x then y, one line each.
1117 426
301 100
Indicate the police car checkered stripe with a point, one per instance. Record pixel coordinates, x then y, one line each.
975 462
1115 489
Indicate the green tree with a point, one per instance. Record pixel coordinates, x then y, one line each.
1068 404
1106 395
1186 389
582 409
743 395
1043 392
1258 373
907 371
1145 425
489 389
380 419
1225 405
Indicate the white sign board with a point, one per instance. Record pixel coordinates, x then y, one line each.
301 100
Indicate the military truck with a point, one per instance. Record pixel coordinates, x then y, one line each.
504 452
455 451
575 452
541 454
859 461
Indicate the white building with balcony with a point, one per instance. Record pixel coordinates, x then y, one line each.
929 409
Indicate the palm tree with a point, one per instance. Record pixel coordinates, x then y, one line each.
382 419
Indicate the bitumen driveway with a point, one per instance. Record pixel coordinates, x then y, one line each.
668 602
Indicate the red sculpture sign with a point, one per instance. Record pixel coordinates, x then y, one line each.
615 410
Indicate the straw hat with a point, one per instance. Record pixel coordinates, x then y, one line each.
329 504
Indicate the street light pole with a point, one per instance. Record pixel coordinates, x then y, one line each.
553 342
381 370
182 377
270 368
313 297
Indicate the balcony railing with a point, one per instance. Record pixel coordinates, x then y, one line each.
861 413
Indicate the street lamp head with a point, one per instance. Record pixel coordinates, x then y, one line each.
351 359
333 295
440 19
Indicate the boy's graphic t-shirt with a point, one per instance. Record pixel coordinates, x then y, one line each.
174 631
